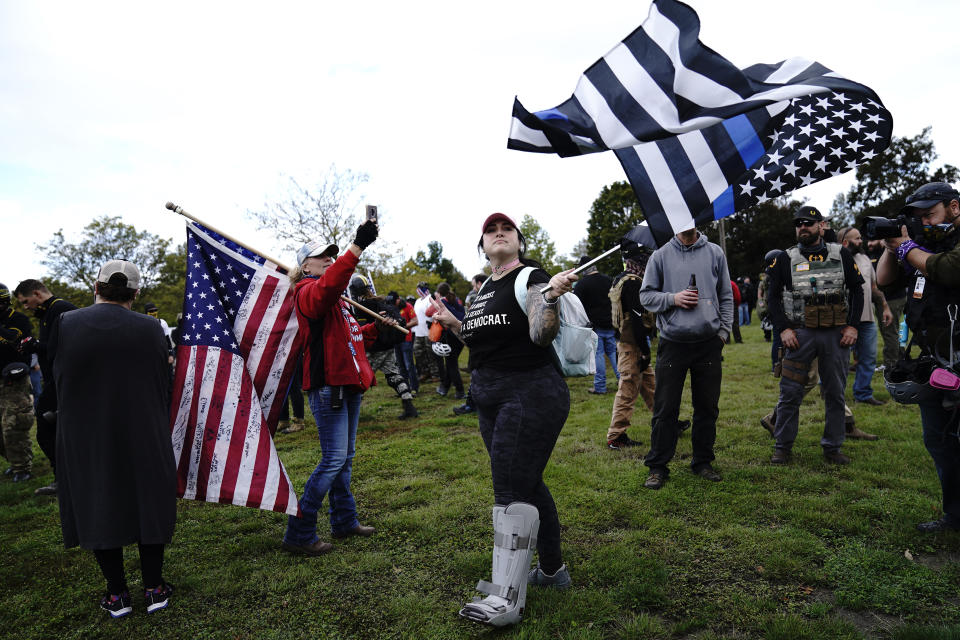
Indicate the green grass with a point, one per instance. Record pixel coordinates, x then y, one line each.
808 550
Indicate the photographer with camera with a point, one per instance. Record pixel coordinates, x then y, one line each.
922 242
815 300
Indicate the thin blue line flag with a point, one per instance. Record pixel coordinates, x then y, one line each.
700 139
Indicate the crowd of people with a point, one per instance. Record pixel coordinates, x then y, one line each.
829 294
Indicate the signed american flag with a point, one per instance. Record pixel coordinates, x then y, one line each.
235 359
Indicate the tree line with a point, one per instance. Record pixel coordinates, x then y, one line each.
324 210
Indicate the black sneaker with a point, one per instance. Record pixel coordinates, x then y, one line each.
464 409
117 605
683 425
622 441
158 598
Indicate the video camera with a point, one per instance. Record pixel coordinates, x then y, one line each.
878 228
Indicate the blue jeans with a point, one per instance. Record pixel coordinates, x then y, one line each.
939 436
866 350
337 429
406 365
36 383
606 344
744 311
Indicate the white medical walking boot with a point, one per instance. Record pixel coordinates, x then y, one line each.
515 538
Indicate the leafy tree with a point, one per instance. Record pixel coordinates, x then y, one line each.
615 211
441 268
884 182
73 266
539 245
403 279
105 238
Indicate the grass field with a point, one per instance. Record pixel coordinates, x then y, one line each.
808 550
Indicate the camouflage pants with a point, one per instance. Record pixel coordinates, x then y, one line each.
427 361
16 418
386 361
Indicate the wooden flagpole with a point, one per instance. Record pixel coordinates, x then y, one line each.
180 210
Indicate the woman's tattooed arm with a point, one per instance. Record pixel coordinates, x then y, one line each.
544 319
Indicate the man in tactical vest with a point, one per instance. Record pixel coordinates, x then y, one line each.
815 302
930 257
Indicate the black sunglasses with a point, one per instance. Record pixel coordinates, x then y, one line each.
804 223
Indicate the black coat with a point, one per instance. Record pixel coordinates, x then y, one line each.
116 474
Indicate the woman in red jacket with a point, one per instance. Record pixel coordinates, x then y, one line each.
335 375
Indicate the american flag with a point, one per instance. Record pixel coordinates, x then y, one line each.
700 138
235 360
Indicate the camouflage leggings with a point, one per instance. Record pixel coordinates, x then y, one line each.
16 418
386 361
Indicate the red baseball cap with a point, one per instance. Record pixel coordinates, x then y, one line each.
495 217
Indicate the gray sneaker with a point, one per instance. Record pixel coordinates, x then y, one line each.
559 580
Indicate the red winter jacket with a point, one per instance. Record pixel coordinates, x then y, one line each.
334 344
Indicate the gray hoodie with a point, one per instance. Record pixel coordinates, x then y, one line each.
668 272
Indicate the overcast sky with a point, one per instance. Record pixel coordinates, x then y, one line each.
116 108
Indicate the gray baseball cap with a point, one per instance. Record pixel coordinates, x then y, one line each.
120 272
316 248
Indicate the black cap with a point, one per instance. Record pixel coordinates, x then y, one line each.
929 195
149 306
392 297
15 371
583 260
630 250
807 212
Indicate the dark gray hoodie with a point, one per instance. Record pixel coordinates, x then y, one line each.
668 272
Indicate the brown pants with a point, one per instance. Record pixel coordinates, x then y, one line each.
633 382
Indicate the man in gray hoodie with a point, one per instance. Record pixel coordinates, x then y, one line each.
687 284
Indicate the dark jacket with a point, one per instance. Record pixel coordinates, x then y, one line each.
14 327
594 291
116 474
47 314
334 343
387 338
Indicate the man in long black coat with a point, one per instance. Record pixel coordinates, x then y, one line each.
115 467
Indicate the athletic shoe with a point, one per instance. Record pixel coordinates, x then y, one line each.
559 580
117 605
597 393
683 425
442 391
622 441
158 598
464 409
22 476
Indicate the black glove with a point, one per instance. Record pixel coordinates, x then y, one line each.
366 234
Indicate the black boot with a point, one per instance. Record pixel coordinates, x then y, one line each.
409 411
